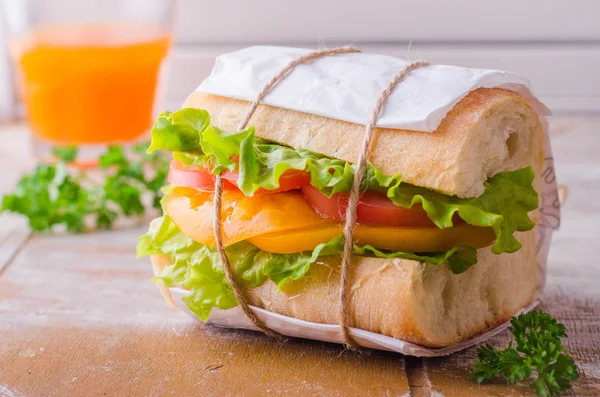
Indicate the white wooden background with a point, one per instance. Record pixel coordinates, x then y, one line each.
555 43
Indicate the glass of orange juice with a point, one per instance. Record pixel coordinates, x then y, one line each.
89 70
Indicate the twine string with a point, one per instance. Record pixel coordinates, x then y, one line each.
350 222
229 274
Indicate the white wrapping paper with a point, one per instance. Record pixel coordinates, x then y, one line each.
290 326
346 87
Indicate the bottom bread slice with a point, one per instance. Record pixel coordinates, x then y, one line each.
416 302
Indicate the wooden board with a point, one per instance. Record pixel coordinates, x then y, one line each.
450 376
79 316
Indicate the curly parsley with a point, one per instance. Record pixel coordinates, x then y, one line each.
61 194
538 353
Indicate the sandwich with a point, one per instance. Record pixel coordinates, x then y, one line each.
445 243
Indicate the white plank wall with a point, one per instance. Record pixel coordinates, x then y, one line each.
230 21
554 43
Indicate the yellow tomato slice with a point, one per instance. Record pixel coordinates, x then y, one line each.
405 239
242 217
285 223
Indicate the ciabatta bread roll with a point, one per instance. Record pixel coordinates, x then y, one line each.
467 136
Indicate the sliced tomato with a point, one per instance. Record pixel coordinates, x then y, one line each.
181 175
241 217
285 223
289 180
202 178
374 208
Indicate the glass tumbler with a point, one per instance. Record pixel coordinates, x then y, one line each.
88 71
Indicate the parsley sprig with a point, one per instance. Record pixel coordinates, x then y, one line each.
62 194
538 352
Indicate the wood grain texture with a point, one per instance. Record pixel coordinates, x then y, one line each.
13 235
79 316
187 361
13 229
450 376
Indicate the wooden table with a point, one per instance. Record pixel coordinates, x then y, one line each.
79 316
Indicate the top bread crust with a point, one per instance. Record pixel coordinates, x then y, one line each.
487 132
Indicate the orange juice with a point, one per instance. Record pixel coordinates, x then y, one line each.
90 84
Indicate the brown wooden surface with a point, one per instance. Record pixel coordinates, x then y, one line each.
79 316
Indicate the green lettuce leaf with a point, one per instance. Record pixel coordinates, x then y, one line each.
164 237
221 146
179 131
459 259
197 160
198 268
190 136
504 205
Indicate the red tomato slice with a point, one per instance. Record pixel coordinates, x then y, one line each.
202 178
190 176
289 180
181 175
374 208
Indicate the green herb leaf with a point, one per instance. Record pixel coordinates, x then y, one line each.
49 196
65 153
113 156
62 195
538 352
